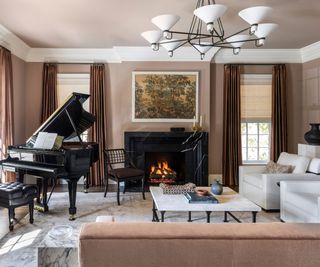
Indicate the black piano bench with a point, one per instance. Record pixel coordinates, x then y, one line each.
15 194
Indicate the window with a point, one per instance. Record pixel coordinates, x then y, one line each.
256 100
74 82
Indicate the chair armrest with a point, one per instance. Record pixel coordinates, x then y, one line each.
246 169
270 180
308 186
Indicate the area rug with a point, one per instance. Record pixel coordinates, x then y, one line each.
19 248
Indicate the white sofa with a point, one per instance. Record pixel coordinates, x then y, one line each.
262 189
300 201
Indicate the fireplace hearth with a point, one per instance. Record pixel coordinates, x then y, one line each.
165 157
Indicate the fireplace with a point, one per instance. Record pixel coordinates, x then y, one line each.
165 157
164 167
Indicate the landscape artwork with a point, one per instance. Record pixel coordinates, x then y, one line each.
164 96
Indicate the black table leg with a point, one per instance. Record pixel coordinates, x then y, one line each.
154 213
208 216
225 217
162 215
189 215
254 216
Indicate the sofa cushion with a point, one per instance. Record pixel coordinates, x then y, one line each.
304 201
273 167
300 163
254 179
314 166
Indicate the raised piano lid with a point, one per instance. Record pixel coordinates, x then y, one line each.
59 121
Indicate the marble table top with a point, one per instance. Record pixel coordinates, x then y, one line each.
228 201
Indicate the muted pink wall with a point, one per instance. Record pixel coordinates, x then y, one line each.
119 95
303 97
19 92
294 91
310 96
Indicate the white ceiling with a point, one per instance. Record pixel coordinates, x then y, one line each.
106 23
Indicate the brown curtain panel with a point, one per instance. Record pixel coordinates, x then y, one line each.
6 108
49 90
231 157
279 112
98 109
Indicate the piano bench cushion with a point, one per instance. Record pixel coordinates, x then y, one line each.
15 193
123 173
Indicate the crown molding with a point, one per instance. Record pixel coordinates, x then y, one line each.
119 54
258 56
310 52
12 42
145 53
73 55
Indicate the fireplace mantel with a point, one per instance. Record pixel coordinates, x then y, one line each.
196 160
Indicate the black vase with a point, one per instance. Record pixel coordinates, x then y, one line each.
313 136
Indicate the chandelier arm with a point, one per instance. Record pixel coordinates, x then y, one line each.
174 41
180 45
241 31
242 41
221 27
191 33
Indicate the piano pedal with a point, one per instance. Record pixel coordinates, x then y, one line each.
41 208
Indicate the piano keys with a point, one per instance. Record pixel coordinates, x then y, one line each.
72 161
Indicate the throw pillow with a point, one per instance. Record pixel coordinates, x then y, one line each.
273 167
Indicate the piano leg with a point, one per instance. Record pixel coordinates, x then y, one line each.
42 203
44 194
72 187
86 183
20 176
39 185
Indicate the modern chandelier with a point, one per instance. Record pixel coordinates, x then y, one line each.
206 29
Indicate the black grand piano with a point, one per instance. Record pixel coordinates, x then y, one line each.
70 162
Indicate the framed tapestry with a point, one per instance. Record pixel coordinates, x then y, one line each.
165 96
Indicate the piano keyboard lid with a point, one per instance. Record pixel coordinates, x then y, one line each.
60 121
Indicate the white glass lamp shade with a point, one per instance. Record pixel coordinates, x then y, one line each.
236 40
210 13
152 36
172 45
165 22
256 14
264 29
203 47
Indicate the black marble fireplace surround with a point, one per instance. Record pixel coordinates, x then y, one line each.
189 160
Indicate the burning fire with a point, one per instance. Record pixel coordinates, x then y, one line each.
162 173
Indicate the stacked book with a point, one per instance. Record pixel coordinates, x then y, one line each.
193 197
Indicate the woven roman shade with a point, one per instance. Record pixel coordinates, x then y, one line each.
256 97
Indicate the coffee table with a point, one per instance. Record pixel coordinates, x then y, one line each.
230 201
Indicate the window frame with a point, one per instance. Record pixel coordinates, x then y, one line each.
257 121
